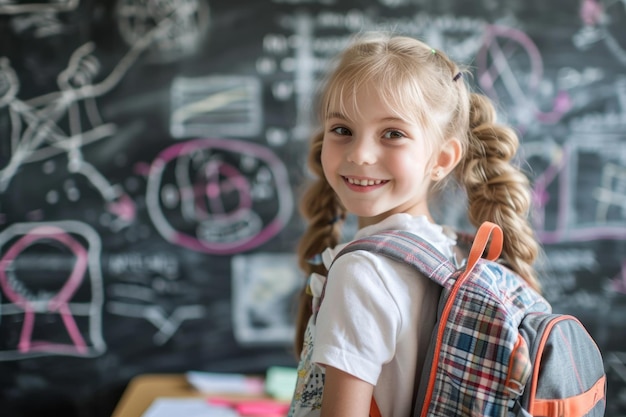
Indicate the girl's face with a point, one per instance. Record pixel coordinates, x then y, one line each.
377 163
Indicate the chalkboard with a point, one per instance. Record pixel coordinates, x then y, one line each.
152 154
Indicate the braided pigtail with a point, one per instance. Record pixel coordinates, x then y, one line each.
497 190
321 209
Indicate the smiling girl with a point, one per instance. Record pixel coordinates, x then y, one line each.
398 120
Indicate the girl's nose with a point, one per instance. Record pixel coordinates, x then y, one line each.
362 152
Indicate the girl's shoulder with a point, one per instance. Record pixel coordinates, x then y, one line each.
441 237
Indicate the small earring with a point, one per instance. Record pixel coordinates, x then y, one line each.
438 174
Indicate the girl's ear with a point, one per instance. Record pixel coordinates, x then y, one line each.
448 157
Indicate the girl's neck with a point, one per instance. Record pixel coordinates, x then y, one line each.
368 221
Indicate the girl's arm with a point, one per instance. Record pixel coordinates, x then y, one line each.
345 395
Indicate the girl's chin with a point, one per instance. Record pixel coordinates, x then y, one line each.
365 213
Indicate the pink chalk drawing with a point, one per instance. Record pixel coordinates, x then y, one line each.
618 284
540 195
58 303
561 172
500 46
124 208
603 21
591 12
215 187
218 196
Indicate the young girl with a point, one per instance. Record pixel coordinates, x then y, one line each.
398 121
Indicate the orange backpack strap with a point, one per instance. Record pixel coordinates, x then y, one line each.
374 411
576 406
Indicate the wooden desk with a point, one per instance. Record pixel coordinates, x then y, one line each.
144 389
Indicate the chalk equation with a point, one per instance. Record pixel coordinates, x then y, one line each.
150 287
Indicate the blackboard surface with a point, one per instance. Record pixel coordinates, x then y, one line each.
151 155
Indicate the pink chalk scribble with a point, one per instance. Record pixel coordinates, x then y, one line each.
541 196
591 12
618 284
123 207
500 45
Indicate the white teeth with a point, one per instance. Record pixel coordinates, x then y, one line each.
363 182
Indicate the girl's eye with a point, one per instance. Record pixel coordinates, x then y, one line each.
341 131
393 134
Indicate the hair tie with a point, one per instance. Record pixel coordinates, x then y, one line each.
457 76
432 51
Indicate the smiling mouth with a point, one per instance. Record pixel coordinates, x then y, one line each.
364 182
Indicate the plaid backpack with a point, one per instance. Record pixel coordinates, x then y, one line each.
496 350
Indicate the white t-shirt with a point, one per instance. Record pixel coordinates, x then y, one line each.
375 321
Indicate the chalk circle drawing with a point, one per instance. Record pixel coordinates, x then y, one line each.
218 196
510 68
183 24
50 271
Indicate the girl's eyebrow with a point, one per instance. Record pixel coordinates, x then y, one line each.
392 119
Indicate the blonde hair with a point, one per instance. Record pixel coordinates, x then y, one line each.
424 85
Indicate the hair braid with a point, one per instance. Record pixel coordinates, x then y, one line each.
497 190
320 208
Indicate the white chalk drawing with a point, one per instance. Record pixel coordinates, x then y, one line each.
187 25
264 288
611 193
561 172
167 324
223 105
510 71
603 21
19 6
149 286
304 54
37 131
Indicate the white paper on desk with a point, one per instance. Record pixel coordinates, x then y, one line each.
188 407
214 382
